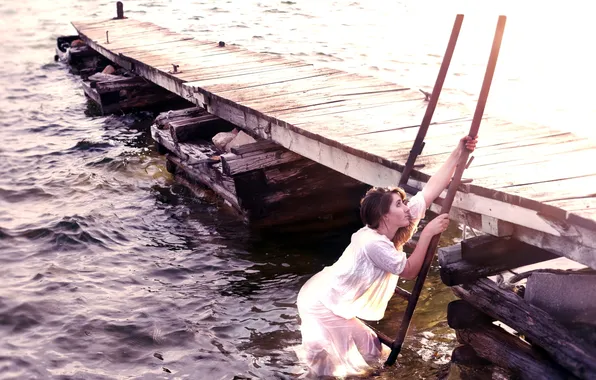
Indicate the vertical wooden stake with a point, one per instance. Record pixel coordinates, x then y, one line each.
119 10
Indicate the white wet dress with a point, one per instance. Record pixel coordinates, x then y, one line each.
359 284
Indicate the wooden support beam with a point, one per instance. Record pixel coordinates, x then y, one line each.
202 127
486 256
558 341
505 350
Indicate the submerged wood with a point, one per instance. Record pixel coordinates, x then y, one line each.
210 176
505 350
462 315
558 341
464 354
487 257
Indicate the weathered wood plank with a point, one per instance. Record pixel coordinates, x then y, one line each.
195 58
163 118
215 85
234 164
238 70
579 187
164 50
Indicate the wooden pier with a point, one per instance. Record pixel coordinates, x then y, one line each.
533 183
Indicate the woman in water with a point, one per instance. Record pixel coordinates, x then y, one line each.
361 282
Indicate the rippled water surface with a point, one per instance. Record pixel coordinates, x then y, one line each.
108 269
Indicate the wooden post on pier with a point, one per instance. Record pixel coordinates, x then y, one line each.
119 10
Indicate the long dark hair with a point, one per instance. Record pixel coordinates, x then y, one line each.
375 204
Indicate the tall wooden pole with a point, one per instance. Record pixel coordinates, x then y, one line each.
432 104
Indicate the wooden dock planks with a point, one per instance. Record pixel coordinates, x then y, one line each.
364 127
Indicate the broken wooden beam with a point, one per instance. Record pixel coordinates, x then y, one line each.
540 327
165 117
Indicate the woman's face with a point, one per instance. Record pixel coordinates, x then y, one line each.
398 215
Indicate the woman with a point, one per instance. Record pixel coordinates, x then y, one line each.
359 285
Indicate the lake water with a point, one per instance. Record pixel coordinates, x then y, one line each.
110 270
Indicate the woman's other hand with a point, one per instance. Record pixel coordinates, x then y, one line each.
437 225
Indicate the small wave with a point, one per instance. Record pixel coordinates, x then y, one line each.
21 195
67 234
44 127
172 274
4 234
91 146
21 317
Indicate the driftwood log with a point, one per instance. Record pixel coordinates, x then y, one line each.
505 350
558 341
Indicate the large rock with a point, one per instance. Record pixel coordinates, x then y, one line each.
222 139
240 139
568 297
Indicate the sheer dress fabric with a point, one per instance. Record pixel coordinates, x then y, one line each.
358 285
